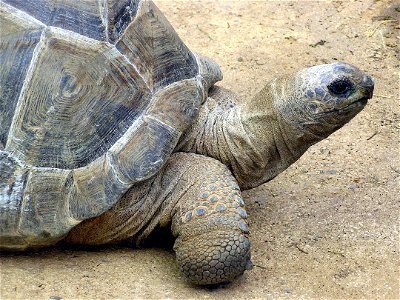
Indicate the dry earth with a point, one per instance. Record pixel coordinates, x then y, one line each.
328 226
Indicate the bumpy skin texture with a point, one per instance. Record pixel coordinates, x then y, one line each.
238 143
125 91
201 199
210 225
259 138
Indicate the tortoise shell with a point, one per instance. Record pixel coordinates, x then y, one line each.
94 96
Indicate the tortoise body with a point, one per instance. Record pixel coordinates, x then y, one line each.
94 96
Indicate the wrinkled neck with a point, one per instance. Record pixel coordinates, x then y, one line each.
213 133
250 138
279 141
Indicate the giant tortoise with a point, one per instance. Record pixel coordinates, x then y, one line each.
110 127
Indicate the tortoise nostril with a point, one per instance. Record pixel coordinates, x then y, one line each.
368 84
368 81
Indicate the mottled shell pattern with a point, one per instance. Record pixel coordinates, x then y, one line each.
94 96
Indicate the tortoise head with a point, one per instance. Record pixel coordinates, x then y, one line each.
325 97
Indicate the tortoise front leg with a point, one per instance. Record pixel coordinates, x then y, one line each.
201 198
209 221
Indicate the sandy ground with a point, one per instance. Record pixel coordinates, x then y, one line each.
328 226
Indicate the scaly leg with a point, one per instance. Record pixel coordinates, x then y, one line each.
209 222
200 198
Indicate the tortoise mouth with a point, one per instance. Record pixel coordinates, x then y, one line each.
361 102
355 105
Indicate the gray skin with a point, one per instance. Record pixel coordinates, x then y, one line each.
93 101
233 145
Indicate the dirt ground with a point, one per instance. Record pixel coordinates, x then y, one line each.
325 228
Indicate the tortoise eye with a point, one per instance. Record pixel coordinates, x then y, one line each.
340 87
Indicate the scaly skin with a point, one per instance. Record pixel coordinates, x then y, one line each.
210 223
232 143
201 199
259 139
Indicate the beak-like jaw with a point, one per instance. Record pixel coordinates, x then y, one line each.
331 96
368 85
364 93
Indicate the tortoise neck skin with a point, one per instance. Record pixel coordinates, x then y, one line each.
260 138
236 133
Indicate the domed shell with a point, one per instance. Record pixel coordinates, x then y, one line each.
94 96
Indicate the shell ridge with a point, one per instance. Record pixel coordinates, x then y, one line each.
103 8
147 117
91 120
122 35
132 20
111 161
24 200
19 14
19 35
155 47
109 101
83 17
11 193
19 106
209 70
137 71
